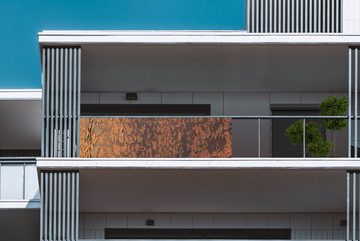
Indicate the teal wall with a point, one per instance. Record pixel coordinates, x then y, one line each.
20 20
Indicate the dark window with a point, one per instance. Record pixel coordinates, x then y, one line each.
281 145
114 233
146 110
19 153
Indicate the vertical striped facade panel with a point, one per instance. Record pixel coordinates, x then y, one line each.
353 89
59 212
294 16
353 177
353 206
61 68
61 101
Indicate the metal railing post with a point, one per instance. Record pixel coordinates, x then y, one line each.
304 138
259 137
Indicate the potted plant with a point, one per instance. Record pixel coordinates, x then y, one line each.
316 143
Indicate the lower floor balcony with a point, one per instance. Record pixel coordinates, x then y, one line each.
110 200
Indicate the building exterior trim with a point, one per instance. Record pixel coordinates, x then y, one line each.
192 37
20 204
199 163
20 94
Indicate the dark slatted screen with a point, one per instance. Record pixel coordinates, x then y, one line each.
281 146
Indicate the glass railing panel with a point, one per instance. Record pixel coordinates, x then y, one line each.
18 179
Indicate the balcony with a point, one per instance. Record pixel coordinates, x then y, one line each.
204 137
19 187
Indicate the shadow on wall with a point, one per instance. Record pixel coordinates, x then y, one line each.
20 225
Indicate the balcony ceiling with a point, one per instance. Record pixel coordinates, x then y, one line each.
152 68
270 191
20 122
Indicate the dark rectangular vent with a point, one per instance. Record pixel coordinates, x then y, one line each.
20 153
117 233
145 110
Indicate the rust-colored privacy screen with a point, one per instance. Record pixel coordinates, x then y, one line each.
155 137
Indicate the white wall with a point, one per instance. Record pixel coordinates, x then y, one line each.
351 16
304 226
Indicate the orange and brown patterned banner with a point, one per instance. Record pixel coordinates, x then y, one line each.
155 137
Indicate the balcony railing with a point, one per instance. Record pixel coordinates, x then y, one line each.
18 179
204 136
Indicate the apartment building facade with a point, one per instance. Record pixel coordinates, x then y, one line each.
181 134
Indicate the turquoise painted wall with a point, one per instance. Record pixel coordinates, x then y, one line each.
20 20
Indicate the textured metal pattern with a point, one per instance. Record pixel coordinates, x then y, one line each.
61 101
155 137
294 16
60 195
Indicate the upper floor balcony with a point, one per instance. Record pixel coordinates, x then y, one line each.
196 94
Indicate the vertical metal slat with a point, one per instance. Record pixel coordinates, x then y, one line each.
275 19
43 84
77 207
46 191
248 16
348 206
64 206
280 15
354 206
56 131
306 20
55 207
50 205
253 23
324 15
78 104
293 16
52 104
266 16
319 15
301 13
74 114
66 113
61 116
72 204
68 208
60 205
356 102
42 238
47 137
70 101
350 101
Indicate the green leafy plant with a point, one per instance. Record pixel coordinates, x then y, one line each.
334 106
316 144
